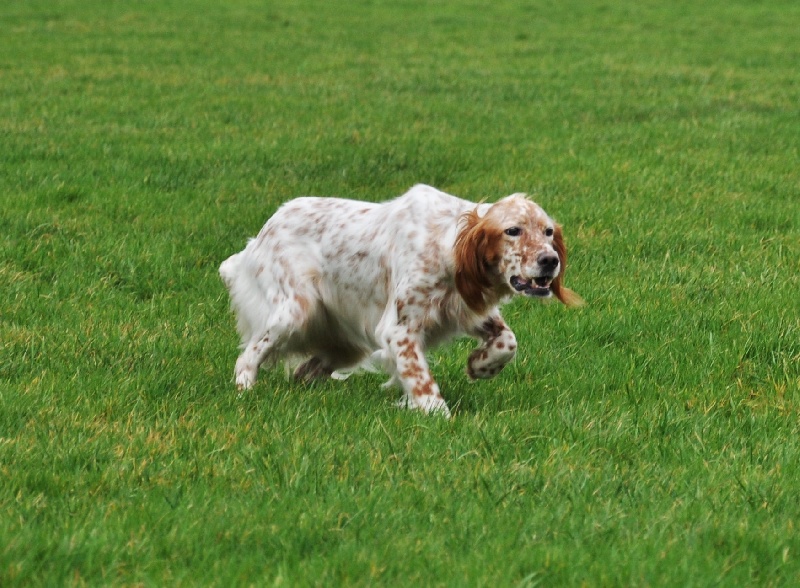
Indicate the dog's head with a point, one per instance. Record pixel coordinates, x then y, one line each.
514 248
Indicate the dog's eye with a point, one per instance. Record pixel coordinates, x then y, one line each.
548 232
513 232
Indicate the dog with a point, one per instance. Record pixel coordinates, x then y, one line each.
342 283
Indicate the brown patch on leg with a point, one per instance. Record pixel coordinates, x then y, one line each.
491 328
423 388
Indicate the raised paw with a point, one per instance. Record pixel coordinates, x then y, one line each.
489 359
483 373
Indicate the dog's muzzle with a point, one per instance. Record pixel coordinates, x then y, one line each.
539 286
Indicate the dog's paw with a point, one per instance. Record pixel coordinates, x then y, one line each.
244 376
430 403
484 372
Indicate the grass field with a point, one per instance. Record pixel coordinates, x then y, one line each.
649 438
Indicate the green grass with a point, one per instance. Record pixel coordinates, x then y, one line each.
650 438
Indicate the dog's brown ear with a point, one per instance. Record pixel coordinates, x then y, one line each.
561 292
476 251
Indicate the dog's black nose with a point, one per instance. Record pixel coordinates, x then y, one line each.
548 261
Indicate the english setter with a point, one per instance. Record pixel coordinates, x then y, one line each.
339 283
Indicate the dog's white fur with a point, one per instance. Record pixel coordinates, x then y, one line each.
340 282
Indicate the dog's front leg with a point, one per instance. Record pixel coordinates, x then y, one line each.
498 347
420 390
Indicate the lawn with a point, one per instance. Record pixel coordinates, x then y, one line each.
651 437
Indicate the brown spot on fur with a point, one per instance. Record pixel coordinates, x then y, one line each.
265 234
412 371
302 302
425 389
408 352
492 327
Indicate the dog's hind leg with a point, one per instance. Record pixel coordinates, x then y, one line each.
269 344
313 369
255 352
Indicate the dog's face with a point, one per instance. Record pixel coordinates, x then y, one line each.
525 257
515 248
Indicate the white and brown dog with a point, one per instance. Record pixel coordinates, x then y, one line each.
341 282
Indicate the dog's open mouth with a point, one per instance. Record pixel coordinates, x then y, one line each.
534 287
